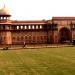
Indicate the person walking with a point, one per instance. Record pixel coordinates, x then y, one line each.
24 44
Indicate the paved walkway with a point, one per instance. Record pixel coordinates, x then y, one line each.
17 47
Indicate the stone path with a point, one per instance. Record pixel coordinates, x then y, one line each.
35 46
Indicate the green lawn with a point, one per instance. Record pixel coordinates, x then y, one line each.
43 61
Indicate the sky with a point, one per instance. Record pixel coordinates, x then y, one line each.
39 9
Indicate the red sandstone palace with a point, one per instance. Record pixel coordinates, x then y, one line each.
56 30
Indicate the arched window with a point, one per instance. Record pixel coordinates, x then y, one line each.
37 27
3 27
17 27
21 27
4 18
40 26
22 38
25 37
4 37
34 38
29 37
41 38
13 38
33 27
18 38
25 27
38 39
1 18
29 27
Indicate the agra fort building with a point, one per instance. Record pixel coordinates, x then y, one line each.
53 31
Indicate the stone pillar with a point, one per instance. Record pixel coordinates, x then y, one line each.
8 39
55 37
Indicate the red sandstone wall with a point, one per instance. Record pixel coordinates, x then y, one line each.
29 37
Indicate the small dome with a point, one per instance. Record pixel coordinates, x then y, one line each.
4 11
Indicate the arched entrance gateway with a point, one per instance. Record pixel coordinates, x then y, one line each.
64 35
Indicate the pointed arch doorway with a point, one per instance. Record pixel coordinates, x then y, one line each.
64 35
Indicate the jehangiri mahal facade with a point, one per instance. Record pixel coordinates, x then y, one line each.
54 31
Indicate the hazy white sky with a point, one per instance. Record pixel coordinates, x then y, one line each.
39 9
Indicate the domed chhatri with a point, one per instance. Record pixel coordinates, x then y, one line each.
4 11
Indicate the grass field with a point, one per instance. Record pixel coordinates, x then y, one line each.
43 61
